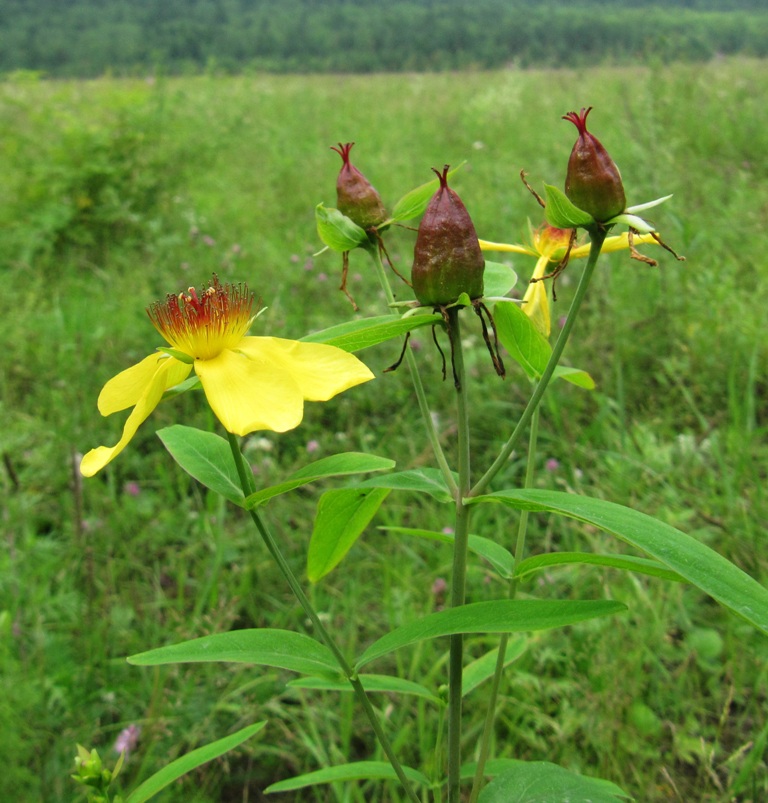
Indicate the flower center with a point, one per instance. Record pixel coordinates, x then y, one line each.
202 326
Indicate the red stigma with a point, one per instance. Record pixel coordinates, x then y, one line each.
579 119
343 151
442 176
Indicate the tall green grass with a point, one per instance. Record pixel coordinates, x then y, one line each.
118 192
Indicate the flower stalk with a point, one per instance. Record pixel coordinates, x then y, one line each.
459 570
597 236
248 486
522 530
418 385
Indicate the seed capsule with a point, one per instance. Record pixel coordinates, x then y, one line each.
447 260
593 182
356 197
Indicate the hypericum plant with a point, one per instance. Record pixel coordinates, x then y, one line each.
256 383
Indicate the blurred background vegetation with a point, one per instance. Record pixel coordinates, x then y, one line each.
85 38
119 190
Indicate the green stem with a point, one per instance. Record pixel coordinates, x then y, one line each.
248 485
418 386
459 570
490 714
598 237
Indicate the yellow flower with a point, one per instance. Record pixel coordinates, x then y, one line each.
251 383
550 245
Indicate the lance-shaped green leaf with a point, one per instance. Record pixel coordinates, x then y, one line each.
522 340
494 616
356 771
561 213
498 279
413 203
362 334
627 563
371 683
576 376
342 516
173 771
480 670
206 457
499 557
337 231
692 560
336 465
418 480
542 782
282 649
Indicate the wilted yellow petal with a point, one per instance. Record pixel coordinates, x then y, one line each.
125 389
486 245
320 371
618 242
167 372
250 392
535 300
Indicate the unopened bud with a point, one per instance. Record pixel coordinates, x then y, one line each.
447 260
356 197
593 182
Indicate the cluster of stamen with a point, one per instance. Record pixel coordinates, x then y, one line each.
202 326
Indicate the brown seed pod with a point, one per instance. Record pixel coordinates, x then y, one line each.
593 182
356 197
447 260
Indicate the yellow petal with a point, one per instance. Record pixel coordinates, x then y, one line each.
125 389
320 371
248 393
168 372
616 243
535 300
486 245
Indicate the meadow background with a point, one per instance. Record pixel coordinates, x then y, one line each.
119 190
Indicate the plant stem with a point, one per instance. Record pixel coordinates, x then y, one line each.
248 485
459 570
418 387
485 742
597 238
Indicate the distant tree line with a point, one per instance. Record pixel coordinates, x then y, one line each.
84 38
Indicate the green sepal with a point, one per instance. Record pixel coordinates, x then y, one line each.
190 383
562 213
498 279
177 355
462 301
633 221
337 231
648 205
413 203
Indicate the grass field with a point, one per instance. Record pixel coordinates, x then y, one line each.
119 192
